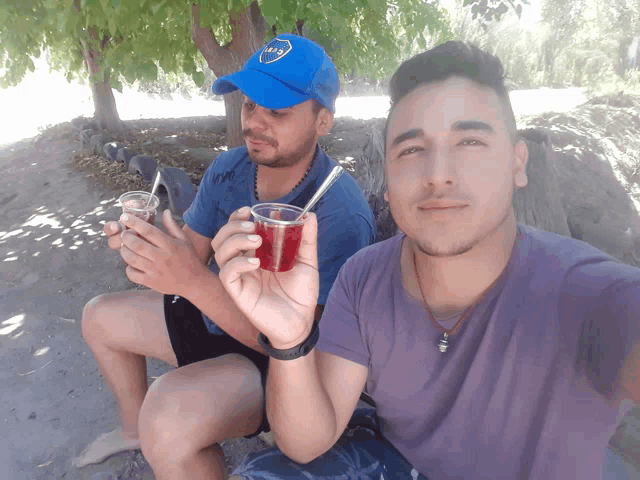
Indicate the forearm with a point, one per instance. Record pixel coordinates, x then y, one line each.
210 297
299 410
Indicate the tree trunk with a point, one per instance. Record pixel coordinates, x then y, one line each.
247 36
232 107
106 113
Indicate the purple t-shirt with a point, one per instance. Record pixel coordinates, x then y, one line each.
525 389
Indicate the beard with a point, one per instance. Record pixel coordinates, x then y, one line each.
460 246
284 160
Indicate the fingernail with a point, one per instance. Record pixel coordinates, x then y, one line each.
246 225
243 210
253 260
124 217
254 238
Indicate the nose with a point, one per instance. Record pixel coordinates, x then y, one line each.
438 168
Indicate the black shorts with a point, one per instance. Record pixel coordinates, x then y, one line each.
192 342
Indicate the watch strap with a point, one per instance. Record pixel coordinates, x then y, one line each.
292 353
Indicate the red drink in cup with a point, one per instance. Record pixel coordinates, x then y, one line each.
281 234
135 203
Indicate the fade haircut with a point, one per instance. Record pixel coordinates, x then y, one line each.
447 60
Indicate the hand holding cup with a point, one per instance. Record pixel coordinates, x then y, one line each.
279 304
139 204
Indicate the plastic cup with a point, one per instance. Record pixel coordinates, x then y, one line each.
281 234
134 203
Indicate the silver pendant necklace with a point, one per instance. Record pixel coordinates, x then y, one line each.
443 343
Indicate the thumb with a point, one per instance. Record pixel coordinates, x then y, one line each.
171 226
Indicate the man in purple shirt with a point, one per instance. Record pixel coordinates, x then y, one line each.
491 349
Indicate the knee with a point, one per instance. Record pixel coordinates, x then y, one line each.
92 318
163 437
156 430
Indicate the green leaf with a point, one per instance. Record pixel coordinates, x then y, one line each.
156 8
116 84
198 78
129 73
271 9
189 66
149 70
112 27
4 15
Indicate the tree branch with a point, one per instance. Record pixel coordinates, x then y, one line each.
247 28
205 40
258 21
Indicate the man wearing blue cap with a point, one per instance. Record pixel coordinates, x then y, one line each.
217 391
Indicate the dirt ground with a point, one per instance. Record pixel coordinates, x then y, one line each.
53 260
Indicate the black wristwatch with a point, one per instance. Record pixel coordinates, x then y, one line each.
294 352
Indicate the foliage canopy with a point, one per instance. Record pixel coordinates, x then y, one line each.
365 37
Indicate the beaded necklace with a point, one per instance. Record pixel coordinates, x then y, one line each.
255 180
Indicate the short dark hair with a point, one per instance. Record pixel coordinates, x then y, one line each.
447 60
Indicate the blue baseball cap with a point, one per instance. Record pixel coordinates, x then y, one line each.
285 72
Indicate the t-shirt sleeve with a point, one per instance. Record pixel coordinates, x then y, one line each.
340 332
610 332
340 235
203 211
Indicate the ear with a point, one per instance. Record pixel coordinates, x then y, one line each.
324 122
385 195
521 158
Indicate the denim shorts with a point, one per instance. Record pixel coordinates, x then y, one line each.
361 453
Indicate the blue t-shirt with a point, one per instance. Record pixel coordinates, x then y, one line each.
345 221
527 387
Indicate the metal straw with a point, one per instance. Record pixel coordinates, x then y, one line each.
154 188
331 178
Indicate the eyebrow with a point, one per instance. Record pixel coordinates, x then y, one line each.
459 126
463 125
408 135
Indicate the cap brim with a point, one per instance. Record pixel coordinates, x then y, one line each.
263 89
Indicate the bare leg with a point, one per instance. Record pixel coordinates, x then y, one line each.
122 329
189 410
